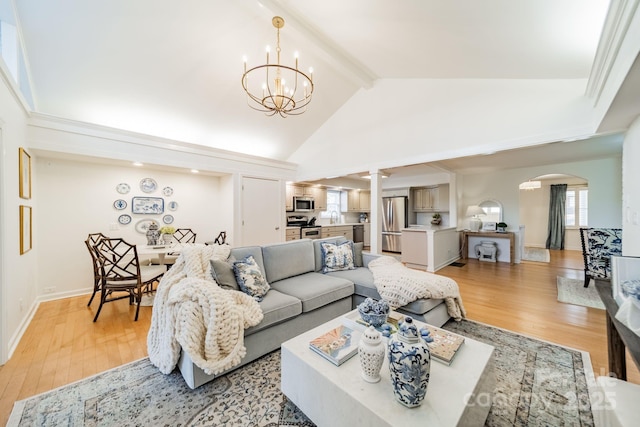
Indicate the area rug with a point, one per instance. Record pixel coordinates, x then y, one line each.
572 291
537 384
536 254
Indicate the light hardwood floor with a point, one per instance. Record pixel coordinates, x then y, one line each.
63 345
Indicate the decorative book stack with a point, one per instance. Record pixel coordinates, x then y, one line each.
337 345
445 344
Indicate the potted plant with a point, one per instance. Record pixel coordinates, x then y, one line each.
502 227
167 234
436 219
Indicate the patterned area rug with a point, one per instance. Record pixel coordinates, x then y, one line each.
537 384
572 291
536 254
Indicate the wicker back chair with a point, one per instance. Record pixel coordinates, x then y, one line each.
121 272
92 240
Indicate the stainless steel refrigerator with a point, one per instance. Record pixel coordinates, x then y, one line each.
394 219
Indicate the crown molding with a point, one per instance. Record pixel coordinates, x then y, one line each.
614 31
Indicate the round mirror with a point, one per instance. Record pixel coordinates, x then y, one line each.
492 209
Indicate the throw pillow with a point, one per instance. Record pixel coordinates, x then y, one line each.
357 254
337 257
222 272
250 278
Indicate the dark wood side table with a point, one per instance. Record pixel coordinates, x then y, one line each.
619 336
493 234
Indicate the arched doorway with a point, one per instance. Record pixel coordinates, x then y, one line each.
534 209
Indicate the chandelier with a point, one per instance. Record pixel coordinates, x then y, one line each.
274 88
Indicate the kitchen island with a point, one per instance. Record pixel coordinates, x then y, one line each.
430 247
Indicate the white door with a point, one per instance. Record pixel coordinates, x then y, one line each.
261 211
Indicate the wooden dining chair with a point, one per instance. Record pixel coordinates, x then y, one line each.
121 273
182 235
185 235
92 240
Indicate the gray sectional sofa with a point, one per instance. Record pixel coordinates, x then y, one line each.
302 297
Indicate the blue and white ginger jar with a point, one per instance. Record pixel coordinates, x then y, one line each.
409 363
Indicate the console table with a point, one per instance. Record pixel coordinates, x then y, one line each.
619 336
493 234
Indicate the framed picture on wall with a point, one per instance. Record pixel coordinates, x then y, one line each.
24 168
147 205
25 229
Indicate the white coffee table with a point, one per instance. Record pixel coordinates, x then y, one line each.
459 394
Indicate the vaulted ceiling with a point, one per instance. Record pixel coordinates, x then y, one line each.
173 69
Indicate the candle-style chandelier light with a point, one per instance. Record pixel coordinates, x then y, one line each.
276 88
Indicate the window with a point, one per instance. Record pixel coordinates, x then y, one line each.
333 204
577 207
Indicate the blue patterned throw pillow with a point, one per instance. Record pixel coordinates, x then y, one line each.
250 278
337 257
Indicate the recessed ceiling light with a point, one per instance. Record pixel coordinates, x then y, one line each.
194 171
137 164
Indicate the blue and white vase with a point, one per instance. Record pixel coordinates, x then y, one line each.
409 363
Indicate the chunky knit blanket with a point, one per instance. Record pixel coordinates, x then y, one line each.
192 312
400 285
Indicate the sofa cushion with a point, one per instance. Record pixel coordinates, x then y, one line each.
254 251
364 286
276 308
250 278
317 249
315 289
222 273
283 260
337 257
357 254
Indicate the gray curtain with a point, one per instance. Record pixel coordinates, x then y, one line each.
557 211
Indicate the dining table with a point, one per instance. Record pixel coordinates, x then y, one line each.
161 251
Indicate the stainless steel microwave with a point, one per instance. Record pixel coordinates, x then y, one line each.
304 204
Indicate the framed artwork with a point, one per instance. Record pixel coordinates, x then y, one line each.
24 168
147 205
25 229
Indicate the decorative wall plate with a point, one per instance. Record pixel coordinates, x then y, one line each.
173 206
147 205
124 219
167 219
143 225
120 204
148 185
167 191
123 188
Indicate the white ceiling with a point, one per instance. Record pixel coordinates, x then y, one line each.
173 69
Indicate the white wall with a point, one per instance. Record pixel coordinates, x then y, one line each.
605 190
17 272
631 191
76 198
411 121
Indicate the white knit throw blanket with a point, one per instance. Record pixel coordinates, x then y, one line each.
190 311
400 285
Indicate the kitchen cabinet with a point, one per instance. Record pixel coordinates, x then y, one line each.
367 234
430 199
292 233
430 248
319 195
357 201
336 231
414 249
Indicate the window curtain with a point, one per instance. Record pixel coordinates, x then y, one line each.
557 212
